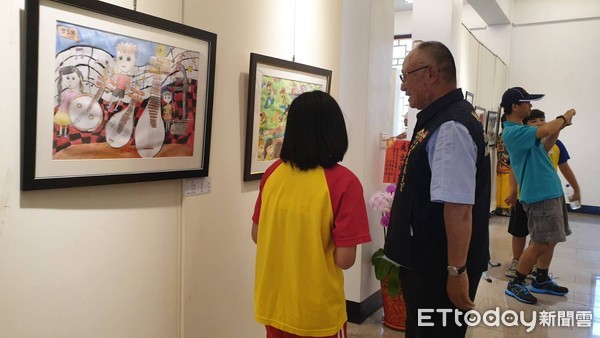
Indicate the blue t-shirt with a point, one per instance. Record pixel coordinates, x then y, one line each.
536 177
563 155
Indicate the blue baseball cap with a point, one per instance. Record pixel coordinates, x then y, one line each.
516 95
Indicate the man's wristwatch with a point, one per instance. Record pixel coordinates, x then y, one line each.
563 118
454 271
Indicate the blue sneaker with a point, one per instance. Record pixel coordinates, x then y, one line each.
549 286
520 293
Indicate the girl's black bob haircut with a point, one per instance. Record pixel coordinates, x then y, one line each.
315 133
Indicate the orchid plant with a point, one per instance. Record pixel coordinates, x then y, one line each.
382 201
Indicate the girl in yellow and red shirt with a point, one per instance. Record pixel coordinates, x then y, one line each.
309 217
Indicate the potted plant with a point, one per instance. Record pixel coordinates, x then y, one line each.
385 271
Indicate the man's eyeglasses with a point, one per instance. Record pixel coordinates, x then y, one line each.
412 71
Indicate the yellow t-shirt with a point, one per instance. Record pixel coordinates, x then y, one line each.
302 216
554 155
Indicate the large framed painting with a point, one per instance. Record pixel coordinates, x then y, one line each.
114 96
273 85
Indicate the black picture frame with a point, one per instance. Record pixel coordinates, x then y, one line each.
482 114
71 35
470 97
273 84
492 127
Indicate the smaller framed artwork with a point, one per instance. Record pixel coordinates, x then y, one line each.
470 97
497 132
481 113
492 125
273 85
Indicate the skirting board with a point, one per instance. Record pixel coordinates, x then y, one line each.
587 209
358 312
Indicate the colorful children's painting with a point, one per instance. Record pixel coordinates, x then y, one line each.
276 96
122 97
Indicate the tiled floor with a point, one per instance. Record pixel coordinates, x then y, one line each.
576 265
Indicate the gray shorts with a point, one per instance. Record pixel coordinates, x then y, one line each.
547 220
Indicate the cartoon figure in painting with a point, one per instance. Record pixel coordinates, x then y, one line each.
303 88
283 117
269 149
294 90
262 124
281 121
261 150
274 120
121 81
269 93
69 85
167 111
277 149
263 119
284 101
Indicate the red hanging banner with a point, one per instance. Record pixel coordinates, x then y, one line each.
395 154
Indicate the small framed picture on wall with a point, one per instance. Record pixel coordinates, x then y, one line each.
470 97
481 114
492 127
273 85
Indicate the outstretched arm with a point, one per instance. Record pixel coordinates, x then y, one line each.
555 126
550 141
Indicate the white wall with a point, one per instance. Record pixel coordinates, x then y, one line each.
81 262
496 38
549 48
113 261
138 260
432 20
558 59
403 23
535 11
365 93
218 251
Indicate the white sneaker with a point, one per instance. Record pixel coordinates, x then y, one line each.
512 271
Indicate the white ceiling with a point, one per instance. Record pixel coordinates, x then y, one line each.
489 11
401 5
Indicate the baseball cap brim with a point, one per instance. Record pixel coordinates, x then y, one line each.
532 97
517 95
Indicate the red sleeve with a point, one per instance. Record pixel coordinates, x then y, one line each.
350 221
265 176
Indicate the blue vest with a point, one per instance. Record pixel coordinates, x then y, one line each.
416 236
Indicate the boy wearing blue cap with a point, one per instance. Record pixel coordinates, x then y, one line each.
540 192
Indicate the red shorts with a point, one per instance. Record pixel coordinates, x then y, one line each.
277 333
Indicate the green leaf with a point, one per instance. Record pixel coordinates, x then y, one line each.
394 282
384 268
376 256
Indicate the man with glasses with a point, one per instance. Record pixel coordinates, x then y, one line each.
438 232
540 192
